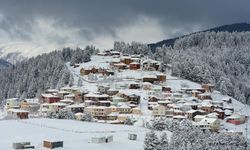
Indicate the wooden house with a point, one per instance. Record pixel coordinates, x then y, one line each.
85 71
120 66
220 112
62 94
208 87
134 85
18 113
49 98
126 60
52 144
192 113
32 105
51 91
79 96
204 96
161 77
236 119
134 66
149 78
166 89
57 106
96 97
151 65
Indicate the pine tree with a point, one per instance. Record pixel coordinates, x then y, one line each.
151 141
164 143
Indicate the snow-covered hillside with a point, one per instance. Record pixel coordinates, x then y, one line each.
75 134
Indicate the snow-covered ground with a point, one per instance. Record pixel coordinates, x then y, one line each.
75 134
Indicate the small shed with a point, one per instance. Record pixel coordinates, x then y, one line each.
132 136
52 145
22 145
98 139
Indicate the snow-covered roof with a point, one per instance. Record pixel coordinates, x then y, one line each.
76 105
96 95
48 95
18 111
58 104
209 120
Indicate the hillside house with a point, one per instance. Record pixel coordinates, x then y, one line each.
159 111
236 119
31 105
85 71
57 106
96 97
124 109
166 89
161 77
136 111
112 92
117 99
205 96
147 85
120 65
12 103
149 78
76 108
126 60
99 112
62 94
89 103
212 123
18 113
79 96
220 112
150 65
103 88
49 98
192 113
134 85
208 87
134 66
51 91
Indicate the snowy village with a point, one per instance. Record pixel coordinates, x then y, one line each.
133 90
124 75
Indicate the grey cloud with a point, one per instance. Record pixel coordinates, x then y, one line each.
94 17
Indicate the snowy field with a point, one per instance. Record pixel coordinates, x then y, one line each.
75 134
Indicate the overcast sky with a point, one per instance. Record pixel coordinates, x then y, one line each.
51 24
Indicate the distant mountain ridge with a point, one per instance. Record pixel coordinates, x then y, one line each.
237 27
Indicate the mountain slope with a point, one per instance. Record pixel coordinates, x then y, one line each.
237 27
4 64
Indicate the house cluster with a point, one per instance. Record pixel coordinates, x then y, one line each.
196 105
137 85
